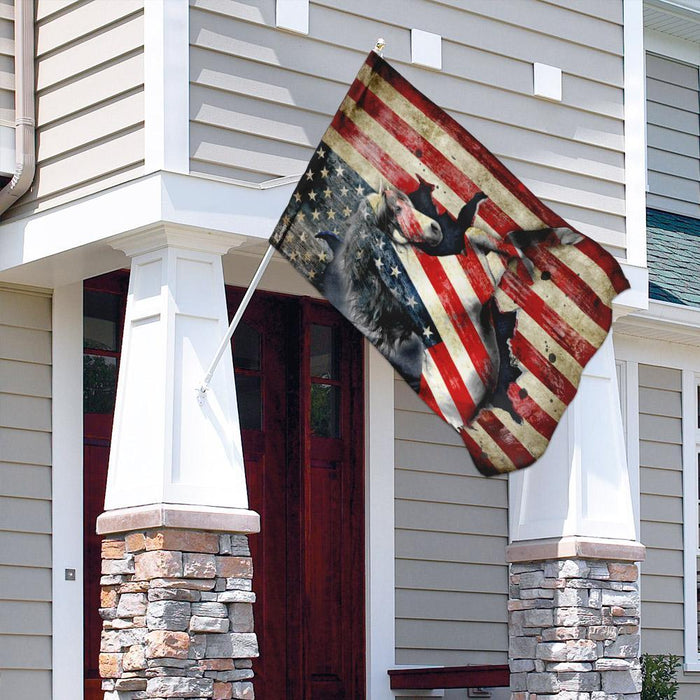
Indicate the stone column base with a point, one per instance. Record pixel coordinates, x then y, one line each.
177 615
573 627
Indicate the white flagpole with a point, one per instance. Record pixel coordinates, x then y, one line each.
202 389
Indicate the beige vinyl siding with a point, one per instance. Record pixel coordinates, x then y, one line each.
451 533
7 63
90 99
673 136
261 98
25 494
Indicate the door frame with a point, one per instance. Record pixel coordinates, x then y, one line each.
67 510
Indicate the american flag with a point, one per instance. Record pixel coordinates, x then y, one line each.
485 300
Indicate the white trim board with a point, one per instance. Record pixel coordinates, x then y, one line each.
67 491
167 86
671 46
379 509
635 133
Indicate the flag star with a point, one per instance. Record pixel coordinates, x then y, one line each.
322 257
359 189
427 332
412 302
324 172
339 171
307 256
382 243
315 214
347 211
344 190
331 214
297 197
395 272
302 237
327 192
358 254
302 217
364 235
312 274
378 262
321 153
285 221
312 195
310 175
293 256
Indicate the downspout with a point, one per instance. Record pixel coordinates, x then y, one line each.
25 148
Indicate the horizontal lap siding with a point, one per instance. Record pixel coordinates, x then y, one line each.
661 484
451 534
261 98
25 494
673 136
90 107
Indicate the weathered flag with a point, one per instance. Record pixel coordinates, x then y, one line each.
482 298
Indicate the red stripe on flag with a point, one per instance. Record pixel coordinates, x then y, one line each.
543 314
453 381
605 262
549 375
459 317
465 139
531 411
374 153
481 459
482 284
427 395
509 444
572 285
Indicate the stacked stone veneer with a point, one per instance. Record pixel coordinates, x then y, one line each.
574 630
177 616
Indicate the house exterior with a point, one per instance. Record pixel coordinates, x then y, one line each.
169 138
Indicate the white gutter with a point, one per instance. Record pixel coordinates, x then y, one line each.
25 147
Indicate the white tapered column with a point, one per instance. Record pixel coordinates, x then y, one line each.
171 454
580 487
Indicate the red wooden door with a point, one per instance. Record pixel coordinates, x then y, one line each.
302 417
104 301
332 505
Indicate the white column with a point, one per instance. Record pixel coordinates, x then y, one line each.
580 487
172 457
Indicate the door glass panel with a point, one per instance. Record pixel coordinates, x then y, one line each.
247 360
99 383
100 320
246 347
324 352
325 410
249 401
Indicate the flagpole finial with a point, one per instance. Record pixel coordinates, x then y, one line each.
379 47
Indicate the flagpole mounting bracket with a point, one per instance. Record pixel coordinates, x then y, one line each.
379 47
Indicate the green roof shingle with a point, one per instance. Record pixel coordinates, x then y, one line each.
673 254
